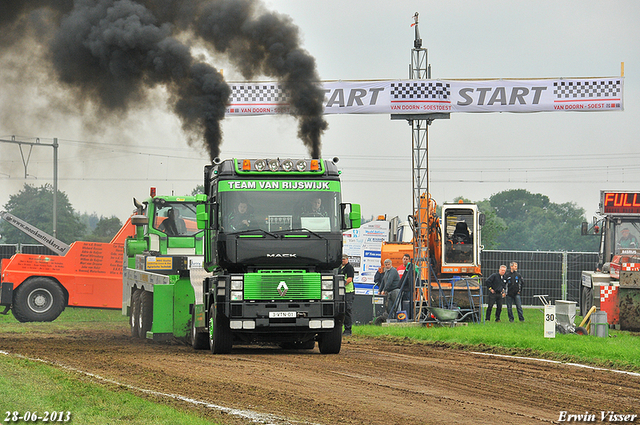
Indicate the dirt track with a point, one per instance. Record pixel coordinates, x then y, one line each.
369 382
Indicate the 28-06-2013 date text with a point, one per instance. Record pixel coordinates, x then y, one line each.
54 416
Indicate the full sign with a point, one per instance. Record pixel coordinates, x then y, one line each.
620 203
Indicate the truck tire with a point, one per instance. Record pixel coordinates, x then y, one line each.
331 342
38 299
220 338
586 299
134 320
146 314
199 340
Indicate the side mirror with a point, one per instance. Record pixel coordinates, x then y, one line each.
584 229
481 219
202 217
352 219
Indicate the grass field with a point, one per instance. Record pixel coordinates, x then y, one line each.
621 350
32 386
65 390
35 387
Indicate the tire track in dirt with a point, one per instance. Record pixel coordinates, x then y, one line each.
371 381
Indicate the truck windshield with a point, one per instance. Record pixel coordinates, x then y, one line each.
274 211
175 218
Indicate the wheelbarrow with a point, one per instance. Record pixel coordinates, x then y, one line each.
444 315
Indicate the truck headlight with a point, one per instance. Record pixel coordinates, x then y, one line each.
236 295
236 285
327 295
327 285
287 165
301 165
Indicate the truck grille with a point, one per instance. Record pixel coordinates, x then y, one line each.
264 285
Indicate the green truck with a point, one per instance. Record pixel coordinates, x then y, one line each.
252 260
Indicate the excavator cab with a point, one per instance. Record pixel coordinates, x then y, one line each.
461 238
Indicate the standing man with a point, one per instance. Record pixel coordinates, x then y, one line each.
496 284
349 293
407 283
514 288
390 287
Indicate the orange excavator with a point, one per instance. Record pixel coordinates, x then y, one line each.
445 249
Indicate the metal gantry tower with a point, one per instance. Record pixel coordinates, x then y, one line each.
419 69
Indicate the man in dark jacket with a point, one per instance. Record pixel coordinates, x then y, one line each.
390 287
496 284
407 283
514 288
349 293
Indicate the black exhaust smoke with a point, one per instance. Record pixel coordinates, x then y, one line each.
111 52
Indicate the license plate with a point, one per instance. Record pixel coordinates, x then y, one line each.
282 314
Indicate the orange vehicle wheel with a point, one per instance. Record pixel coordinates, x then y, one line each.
38 299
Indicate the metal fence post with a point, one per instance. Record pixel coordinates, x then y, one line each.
564 275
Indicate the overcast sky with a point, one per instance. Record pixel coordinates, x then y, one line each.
568 156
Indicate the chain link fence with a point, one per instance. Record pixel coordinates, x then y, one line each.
552 273
7 250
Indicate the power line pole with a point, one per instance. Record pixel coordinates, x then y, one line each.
25 163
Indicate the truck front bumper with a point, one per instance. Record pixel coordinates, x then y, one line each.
285 316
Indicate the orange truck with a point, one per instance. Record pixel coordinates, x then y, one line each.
37 288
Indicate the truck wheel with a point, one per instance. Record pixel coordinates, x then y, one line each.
145 314
38 300
587 300
199 340
220 340
330 342
135 313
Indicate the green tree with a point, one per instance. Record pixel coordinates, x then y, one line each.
514 204
532 222
89 220
493 225
197 190
105 229
35 206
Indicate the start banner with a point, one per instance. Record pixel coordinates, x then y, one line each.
438 96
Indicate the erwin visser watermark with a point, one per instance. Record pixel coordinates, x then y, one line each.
602 416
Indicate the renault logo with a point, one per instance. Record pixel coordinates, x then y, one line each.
282 288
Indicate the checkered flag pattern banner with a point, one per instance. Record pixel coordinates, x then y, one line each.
587 89
437 96
606 292
417 90
260 93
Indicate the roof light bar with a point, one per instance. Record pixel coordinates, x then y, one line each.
277 165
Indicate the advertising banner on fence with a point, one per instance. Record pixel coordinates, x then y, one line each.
439 96
363 246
